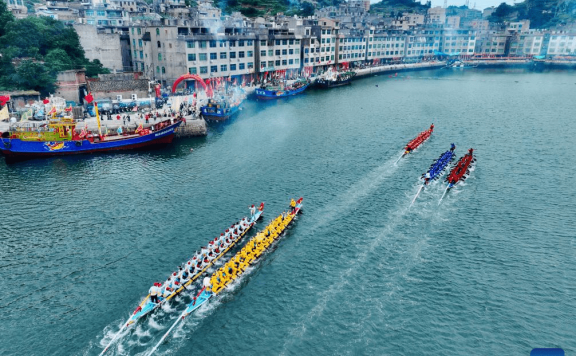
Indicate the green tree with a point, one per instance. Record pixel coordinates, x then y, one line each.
6 18
94 68
58 60
33 75
307 9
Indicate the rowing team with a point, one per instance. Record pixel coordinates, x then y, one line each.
252 250
198 262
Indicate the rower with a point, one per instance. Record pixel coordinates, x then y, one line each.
167 287
252 211
452 147
154 292
206 282
432 127
470 151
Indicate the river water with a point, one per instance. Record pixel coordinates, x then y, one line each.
490 271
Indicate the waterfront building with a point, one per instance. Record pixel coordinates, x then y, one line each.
493 43
531 43
462 41
352 46
386 46
437 15
562 43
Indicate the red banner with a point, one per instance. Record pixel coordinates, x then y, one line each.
157 89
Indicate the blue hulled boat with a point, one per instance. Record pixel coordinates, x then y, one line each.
218 110
59 138
274 92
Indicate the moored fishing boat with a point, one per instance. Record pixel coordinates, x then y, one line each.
436 169
234 268
219 110
59 137
147 305
281 91
335 79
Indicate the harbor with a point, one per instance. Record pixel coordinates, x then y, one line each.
85 237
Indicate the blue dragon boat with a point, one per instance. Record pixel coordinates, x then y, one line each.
275 92
436 169
59 138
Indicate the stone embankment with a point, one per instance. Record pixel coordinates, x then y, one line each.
193 127
394 68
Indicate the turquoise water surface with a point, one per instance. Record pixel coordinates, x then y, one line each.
490 271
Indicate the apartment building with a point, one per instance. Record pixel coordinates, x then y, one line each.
461 41
562 43
352 45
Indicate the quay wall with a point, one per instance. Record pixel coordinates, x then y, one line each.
394 68
193 127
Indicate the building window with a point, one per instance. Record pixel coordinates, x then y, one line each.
202 44
158 69
159 44
277 52
241 66
291 42
240 43
203 56
277 42
223 68
263 43
278 63
263 53
250 65
157 32
232 67
222 55
191 57
139 31
290 61
250 54
213 56
290 51
192 70
222 43
270 64
232 44
297 42
232 55
213 69
212 44
190 44
250 43
262 65
139 43
297 61
163 70
284 52
203 70
241 54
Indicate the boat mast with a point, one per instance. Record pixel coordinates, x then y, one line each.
97 118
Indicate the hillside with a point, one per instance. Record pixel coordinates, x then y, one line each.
393 7
255 8
541 13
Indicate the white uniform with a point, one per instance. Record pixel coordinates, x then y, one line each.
154 291
206 282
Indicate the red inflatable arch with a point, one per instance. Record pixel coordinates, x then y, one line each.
188 76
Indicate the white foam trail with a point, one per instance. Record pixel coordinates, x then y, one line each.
343 280
352 195
446 191
417 194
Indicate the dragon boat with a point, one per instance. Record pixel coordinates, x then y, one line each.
416 142
59 138
217 283
460 171
436 169
147 306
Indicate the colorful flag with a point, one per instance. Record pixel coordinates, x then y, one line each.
4 114
89 98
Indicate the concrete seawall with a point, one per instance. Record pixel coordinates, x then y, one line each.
394 68
192 128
